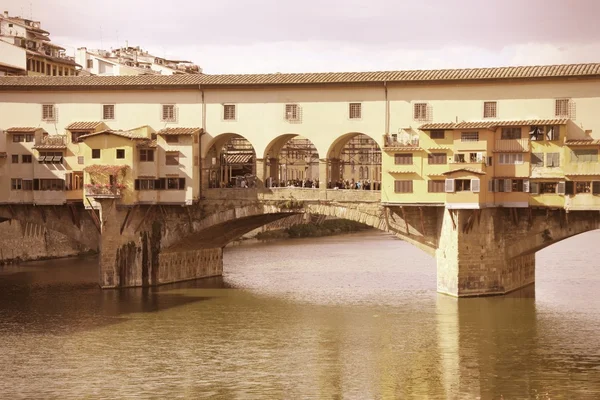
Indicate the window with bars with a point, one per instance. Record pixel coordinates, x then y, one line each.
436 186
48 112
552 160
355 110
146 155
469 137
420 112
403 159
229 112
489 109
437 158
292 112
561 107
537 159
584 155
168 113
437 134
108 111
510 158
404 186
510 133
172 158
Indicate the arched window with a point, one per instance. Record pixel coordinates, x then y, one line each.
360 173
366 172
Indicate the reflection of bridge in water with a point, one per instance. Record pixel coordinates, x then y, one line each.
478 252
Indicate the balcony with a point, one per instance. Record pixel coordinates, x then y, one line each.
101 191
403 143
51 142
512 145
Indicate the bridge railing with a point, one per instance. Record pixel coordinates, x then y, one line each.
303 194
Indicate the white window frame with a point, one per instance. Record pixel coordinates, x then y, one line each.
51 116
421 111
561 103
292 112
510 158
164 110
469 136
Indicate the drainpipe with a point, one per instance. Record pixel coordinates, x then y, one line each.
202 132
387 109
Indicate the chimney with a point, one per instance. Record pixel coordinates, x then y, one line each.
5 14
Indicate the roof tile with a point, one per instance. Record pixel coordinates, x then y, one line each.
193 80
84 126
178 131
22 129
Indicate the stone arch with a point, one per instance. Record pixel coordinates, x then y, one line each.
229 161
352 153
291 157
75 224
220 228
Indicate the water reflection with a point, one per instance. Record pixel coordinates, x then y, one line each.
343 317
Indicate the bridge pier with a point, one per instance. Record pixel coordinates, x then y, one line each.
132 254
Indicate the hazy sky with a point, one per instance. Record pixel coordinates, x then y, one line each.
244 36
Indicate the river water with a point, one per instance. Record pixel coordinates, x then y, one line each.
346 317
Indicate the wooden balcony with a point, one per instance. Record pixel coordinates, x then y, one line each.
512 145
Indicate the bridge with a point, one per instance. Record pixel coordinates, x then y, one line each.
490 251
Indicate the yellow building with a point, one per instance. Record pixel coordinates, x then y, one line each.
492 137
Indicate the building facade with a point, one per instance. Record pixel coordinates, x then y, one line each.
27 50
130 61
463 139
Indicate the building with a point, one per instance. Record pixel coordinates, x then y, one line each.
29 50
462 139
131 61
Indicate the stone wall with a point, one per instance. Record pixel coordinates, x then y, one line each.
22 241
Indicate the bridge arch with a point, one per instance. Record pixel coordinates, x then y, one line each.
291 158
220 228
229 157
354 157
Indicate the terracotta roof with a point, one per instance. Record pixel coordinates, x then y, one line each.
491 124
474 171
400 171
125 134
582 173
437 125
22 129
402 148
583 142
178 131
147 144
193 80
50 146
84 126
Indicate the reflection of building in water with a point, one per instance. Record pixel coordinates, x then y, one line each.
230 162
298 159
360 159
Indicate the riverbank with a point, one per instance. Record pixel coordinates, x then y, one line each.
326 228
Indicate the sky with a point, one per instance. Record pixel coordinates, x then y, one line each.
264 36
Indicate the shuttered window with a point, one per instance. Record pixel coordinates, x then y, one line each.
510 158
168 113
437 134
584 155
403 159
436 186
537 159
403 186
511 133
552 160
437 158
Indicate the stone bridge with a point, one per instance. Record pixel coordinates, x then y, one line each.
479 252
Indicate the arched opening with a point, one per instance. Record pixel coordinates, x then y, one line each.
231 162
354 162
292 161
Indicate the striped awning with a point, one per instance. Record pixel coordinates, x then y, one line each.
233 159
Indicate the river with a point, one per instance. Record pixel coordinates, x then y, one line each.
346 317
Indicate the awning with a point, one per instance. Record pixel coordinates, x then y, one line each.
57 159
41 159
233 159
470 170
